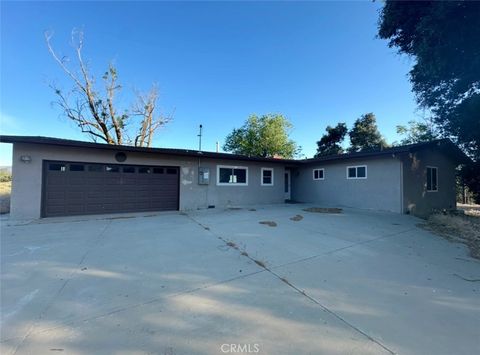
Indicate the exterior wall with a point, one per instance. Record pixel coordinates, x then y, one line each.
27 178
419 201
381 190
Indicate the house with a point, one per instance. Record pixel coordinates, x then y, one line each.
59 177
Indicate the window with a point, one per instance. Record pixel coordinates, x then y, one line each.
232 175
357 172
158 170
77 167
318 174
144 170
112 169
172 171
267 177
95 168
432 178
128 169
56 167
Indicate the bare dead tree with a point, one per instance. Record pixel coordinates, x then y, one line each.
95 112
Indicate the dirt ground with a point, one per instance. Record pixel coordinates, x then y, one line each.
5 188
458 228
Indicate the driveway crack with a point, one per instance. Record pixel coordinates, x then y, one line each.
302 292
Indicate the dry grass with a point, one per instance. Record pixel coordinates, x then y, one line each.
5 190
323 210
296 218
268 223
469 210
458 228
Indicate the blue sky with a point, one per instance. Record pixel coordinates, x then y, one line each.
215 63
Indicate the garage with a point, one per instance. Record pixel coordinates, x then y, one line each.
73 188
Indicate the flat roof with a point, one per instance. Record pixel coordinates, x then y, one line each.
444 145
129 148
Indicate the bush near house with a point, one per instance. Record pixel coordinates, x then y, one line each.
5 189
5 177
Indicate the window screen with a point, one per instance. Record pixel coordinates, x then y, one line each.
352 172
318 174
232 175
361 172
432 183
267 177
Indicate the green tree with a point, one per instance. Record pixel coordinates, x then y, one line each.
264 136
331 142
444 39
365 135
417 132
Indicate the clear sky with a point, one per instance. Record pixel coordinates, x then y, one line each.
215 63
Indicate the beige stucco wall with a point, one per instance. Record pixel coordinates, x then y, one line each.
27 178
381 190
419 201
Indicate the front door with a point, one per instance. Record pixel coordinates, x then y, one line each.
287 185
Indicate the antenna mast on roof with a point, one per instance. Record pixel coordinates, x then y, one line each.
200 138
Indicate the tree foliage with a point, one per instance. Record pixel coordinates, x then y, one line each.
331 142
93 107
264 136
444 39
417 132
365 134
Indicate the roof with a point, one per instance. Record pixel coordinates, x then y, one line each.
129 148
444 145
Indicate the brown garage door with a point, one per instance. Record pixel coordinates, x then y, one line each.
71 188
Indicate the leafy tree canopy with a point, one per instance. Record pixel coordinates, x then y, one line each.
444 39
331 142
264 136
417 132
365 135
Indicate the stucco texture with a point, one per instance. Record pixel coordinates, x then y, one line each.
419 201
381 190
27 178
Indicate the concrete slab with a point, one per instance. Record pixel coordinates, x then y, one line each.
358 282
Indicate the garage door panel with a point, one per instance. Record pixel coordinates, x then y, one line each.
80 188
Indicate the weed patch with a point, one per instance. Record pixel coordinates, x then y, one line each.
457 228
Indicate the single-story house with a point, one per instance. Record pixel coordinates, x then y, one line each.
60 177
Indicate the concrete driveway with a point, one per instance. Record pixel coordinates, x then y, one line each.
218 281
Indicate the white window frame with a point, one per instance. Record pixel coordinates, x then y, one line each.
261 177
318 169
426 176
356 172
229 183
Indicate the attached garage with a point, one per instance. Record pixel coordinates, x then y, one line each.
72 188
